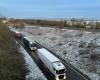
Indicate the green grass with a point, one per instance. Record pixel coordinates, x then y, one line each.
11 61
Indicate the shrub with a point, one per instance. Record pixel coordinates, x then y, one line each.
11 62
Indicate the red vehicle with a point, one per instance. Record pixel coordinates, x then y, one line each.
18 34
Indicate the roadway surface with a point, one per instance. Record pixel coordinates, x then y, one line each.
72 74
40 65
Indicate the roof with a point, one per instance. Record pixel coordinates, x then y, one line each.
30 39
48 55
58 65
15 31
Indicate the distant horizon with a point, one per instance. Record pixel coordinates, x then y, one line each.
52 18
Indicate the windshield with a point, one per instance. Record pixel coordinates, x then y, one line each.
60 71
33 45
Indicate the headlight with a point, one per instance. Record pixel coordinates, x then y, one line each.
64 76
57 78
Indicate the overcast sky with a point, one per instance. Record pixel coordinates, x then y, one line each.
50 8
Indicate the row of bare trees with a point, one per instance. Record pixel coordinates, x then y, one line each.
60 23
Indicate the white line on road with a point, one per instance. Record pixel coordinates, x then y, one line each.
74 70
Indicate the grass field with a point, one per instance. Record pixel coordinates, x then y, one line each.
11 61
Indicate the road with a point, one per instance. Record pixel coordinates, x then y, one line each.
72 74
45 71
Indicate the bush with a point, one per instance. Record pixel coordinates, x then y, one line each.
93 56
84 51
82 44
11 62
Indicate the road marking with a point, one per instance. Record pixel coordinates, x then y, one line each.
68 65
71 68
74 70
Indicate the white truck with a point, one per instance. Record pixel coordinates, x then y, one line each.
29 42
52 63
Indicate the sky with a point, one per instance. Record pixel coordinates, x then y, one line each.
50 8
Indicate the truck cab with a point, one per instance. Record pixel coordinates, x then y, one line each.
59 70
52 63
33 46
29 43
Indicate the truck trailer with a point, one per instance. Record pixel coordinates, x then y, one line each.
29 43
52 63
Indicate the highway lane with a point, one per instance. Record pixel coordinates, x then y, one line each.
45 71
40 65
71 72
